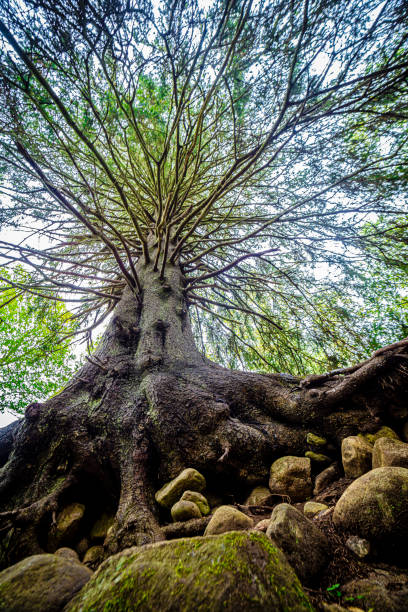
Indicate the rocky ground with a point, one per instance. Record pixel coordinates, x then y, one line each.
320 535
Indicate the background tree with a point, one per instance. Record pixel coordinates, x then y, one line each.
34 363
178 158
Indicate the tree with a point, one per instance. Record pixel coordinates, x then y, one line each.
33 362
176 158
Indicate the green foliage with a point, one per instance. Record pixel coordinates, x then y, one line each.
34 362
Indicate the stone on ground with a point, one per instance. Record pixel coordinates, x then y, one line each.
383 432
188 480
375 507
225 573
67 525
67 553
198 499
41 583
259 496
100 527
388 451
380 592
315 440
305 546
326 477
184 510
262 525
227 518
311 508
317 457
356 455
94 556
359 546
291 476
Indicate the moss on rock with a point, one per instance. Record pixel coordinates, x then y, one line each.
228 572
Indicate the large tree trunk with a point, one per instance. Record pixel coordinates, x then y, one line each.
147 405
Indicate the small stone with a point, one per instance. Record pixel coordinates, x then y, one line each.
94 556
383 432
82 546
310 509
227 518
262 525
67 526
356 455
359 546
315 440
184 511
317 457
67 553
41 583
188 480
259 496
326 477
291 476
388 451
100 527
198 499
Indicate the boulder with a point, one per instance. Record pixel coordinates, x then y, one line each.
41 583
315 440
198 499
356 455
359 546
305 546
388 451
259 496
94 556
311 508
67 553
383 432
227 518
188 480
224 573
380 592
375 507
184 510
291 476
100 527
326 477
262 525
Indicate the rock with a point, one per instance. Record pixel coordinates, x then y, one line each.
388 451
375 507
198 499
310 509
315 440
356 456
82 546
41 583
188 480
67 526
381 591
325 478
317 457
259 496
305 546
359 546
225 573
291 476
184 511
383 432
227 518
100 527
262 525
94 556
67 553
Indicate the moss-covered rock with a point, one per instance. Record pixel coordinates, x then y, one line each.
188 480
375 506
228 518
229 572
383 432
258 497
67 526
305 546
326 477
356 455
315 440
388 451
291 476
199 499
185 510
41 583
67 553
317 457
94 556
310 509
381 591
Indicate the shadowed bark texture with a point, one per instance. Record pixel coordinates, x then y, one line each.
147 405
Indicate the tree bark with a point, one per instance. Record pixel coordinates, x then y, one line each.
148 404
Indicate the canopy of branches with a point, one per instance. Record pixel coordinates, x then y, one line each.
236 131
